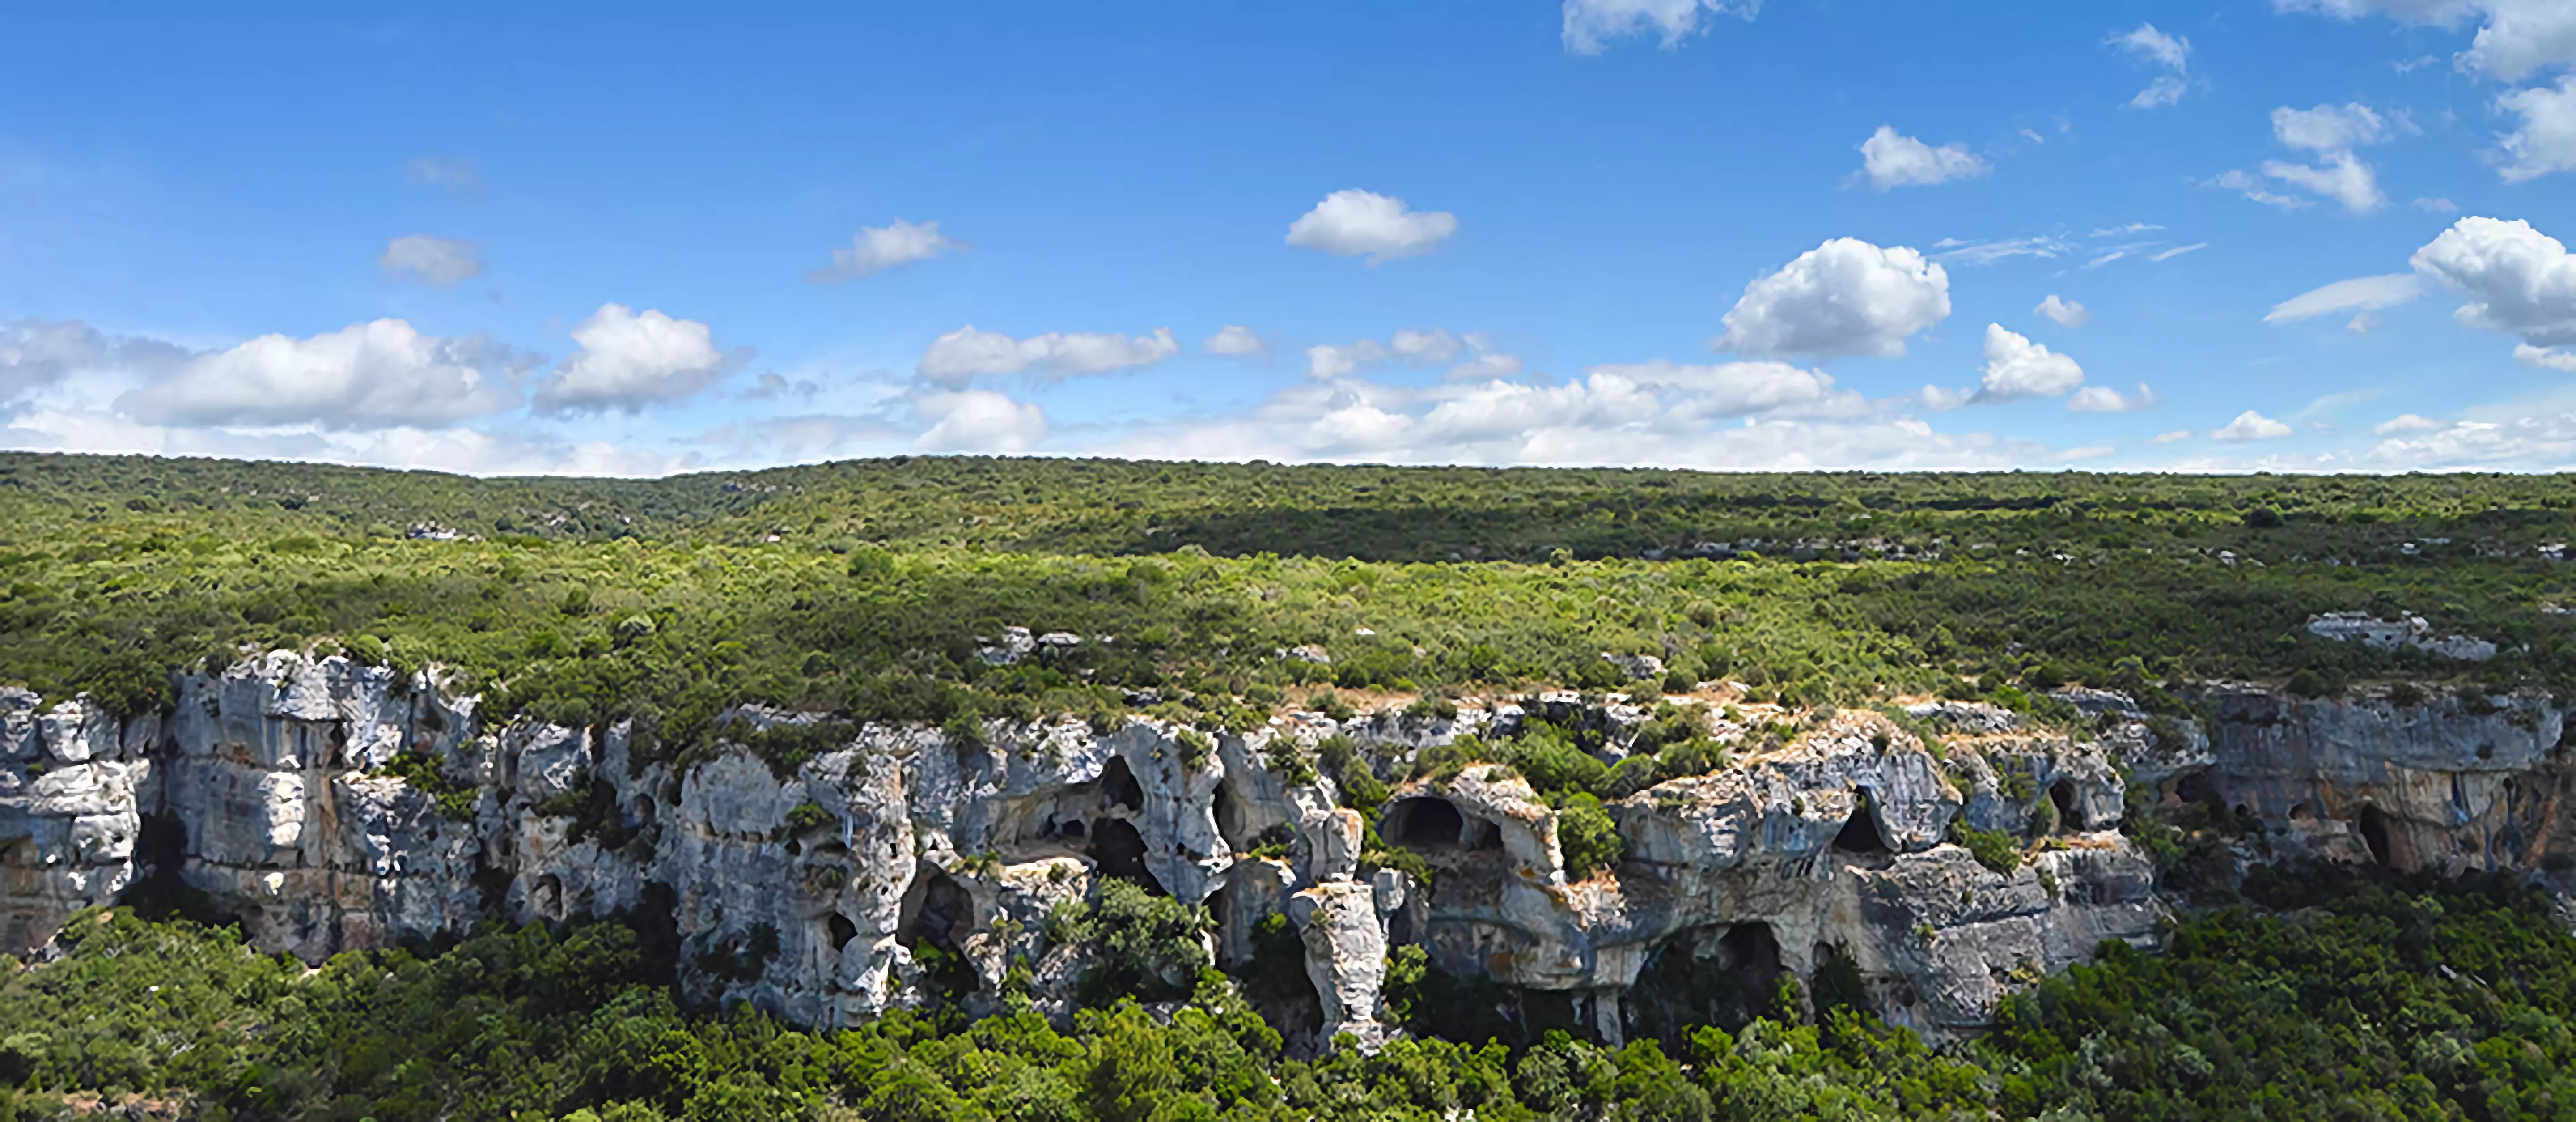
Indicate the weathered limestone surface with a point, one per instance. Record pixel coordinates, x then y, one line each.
274 787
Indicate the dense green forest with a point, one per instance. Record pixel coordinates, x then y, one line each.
2318 994
866 588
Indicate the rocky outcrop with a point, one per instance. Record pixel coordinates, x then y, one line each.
334 805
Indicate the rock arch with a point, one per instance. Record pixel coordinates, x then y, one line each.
1860 832
939 911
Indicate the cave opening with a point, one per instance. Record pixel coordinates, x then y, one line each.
547 900
1117 850
2196 787
2374 833
1118 785
1071 829
1860 831
841 930
1424 822
942 917
2070 813
1705 976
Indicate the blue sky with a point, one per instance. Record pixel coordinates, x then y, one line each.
1795 234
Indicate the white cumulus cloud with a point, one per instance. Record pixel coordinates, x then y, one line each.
2066 312
2518 37
875 249
2518 280
2017 368
1354 222
2546 358
2250 425
630 360
2104 399
1891 161
2363 293
979 421
438 262
369 375
1588 23
1234 339
1845 297
2546 141
2407 422
2329 128
954 358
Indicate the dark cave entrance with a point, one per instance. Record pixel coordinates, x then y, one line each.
943 916
2374 833
1860 831
1705 976
2195 787
841 930
1119 787
1425 823
2070 814
1117 850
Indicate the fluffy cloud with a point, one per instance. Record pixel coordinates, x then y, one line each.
2545 358
2329 128
2363 293
1412 347
1843 297
1354 222
2332 132
1589 22
1235 340
2250 425
2520 37
440 262
2546 142
368 375
2343 178
2173 52
960 355
979 421
1890 160
2067 313
36 353
628 361
2017 368
1433 346
1727 389
2104 399
2536 441
2407 422
875 249
2517 279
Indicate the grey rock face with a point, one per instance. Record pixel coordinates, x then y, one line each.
816 892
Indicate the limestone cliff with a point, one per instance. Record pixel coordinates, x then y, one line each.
277 788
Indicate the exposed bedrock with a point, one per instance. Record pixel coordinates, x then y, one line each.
333 805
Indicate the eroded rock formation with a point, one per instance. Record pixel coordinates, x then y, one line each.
277 788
